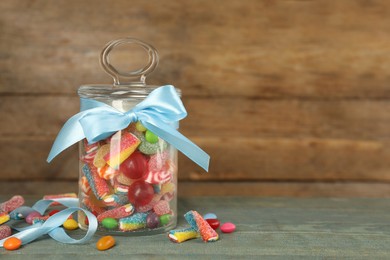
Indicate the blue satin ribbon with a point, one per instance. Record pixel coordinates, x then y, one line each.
52 226
157 112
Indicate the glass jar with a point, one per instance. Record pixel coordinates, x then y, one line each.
128 179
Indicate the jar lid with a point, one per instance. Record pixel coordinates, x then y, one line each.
125 83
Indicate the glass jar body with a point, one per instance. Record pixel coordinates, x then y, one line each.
128 180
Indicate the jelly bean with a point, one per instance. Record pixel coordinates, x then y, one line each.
71 224
4 217
5 231
140 127
140 193
210 216
214 223
54 211
110 223
12 243
12 204
228 227
151 137
152 220
105 243
135 167
165 219
162 208
30 217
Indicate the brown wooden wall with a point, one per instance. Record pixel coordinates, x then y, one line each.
289 97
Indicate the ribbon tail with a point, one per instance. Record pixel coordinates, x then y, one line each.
179 141
71 133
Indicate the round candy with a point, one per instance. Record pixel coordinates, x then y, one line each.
210 216
135 167
165 219
70 224
214 223
152 220
228 227
140 127
12 243
110 223
140 193
30 217
151 137
105 243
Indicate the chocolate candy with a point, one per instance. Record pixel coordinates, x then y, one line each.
105 243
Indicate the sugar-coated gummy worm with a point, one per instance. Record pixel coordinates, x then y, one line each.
59 196
198 223
98 185
11 204
181 235
5 231
120 212
123 144
92 207
134 222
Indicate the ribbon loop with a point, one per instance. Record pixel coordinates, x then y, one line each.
158 112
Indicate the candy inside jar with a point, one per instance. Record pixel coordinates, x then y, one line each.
129 182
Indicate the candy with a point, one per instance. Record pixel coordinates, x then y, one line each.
140 193
59 196
11 204
133 222
157 161
111 200
88 148
140 127
198 223
123 144
151 137
105 243
5 231
31 216
20 213
91 206
38 219
228 227
162 207
167 188
165 219
110 223
121 189
181 235
214 223
119 212
150 205
84 184
12 243
99 161
70 224
122 179
135 167
4 217
54 211
161 175
152 220
98 185
148 148
89 157
210 216
106 172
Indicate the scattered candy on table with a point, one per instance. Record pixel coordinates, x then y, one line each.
214 223
210 216
71 224
105 243
12 243
228 227
4 217
12 204
181 235
30 217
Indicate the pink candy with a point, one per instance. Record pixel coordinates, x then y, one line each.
228 227
5 231
12 204
117 213
162 175
162 207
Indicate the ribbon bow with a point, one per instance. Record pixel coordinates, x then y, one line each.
52 226
157 112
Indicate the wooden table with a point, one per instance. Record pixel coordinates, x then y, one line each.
266 227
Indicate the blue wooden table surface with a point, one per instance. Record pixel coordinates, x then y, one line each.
266 228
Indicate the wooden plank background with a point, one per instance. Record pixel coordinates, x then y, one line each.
290 97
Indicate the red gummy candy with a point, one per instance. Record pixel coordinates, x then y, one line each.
14 203
135 167
140 193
